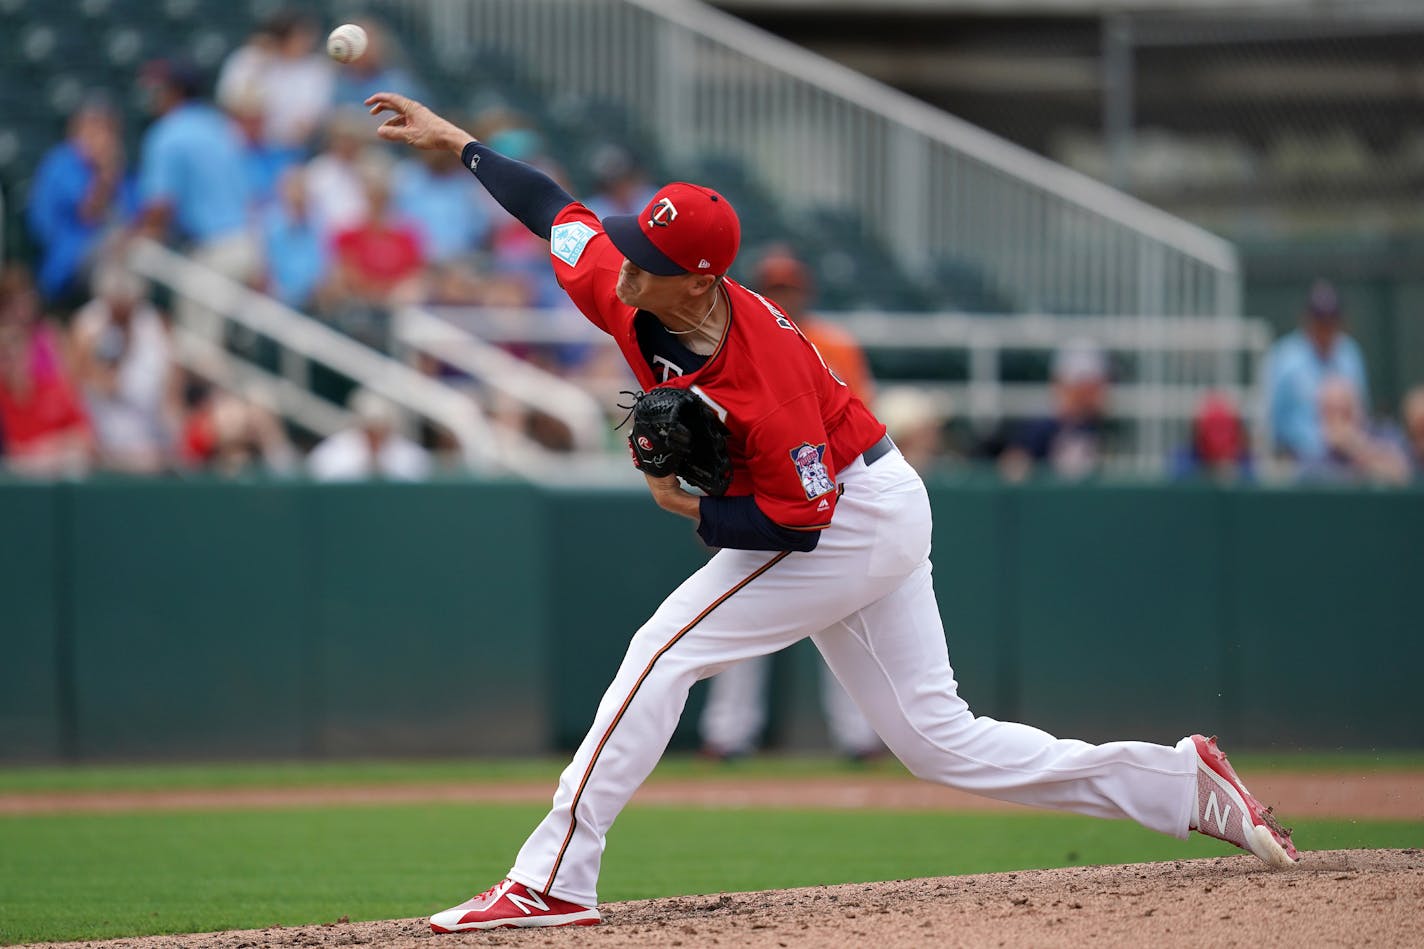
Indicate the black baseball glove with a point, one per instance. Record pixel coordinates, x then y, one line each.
675 432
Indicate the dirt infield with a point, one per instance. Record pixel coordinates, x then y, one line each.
1335 898
1383 795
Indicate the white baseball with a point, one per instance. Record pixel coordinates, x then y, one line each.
346 43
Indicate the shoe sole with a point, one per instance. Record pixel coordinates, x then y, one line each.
586 918
1260 839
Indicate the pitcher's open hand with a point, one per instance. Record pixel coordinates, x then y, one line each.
416 125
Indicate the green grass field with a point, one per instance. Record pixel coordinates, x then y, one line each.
85 876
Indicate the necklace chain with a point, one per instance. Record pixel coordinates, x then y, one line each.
716 295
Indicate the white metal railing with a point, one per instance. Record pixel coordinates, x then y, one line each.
1173 363
929 185
304 339
419 330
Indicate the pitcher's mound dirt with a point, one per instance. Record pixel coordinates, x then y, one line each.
1334 898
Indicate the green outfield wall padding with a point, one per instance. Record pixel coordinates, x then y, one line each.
429 619
1329 608
189 634
215 620
1119 626
32 667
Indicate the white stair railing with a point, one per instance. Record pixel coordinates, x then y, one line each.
481 447
420 330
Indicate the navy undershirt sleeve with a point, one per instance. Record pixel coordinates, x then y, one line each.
739 524
531 196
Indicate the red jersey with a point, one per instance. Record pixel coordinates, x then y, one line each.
791 424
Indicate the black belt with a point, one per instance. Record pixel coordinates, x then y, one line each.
877 451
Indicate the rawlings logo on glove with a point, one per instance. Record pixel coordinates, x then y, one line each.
674 432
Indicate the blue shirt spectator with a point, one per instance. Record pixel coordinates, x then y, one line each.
297 256
446 204
192 178
192 162
79 192
1299 363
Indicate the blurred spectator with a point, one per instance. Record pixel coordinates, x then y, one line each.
622 186
787 281
373 449
125 366
1219 449
231 435
79 194
335 193
1069 443
378 70
242 74
297 255
1296 367
1354 451
915 424
192 181
1412 416
379 260
265 163
296 83
446 204
43 429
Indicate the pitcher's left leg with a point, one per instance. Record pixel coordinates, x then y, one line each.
892 658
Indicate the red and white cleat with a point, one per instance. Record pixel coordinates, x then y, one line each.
1227 811
509 904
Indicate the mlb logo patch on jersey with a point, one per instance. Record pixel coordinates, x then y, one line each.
811 469
567 241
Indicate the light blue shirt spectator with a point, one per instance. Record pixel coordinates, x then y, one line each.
355 85
192 160
446 204
297 257
1298 364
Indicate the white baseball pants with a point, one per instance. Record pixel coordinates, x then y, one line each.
864 597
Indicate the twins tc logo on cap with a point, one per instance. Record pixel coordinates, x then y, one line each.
684 229
664 213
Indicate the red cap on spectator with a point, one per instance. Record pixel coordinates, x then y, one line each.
684 229
782 270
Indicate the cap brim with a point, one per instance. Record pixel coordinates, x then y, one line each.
626 233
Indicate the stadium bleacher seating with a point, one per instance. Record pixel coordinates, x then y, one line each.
47 66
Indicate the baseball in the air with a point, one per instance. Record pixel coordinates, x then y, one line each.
346 43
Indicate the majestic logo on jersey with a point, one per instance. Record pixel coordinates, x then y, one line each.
664 214
567 241
812 470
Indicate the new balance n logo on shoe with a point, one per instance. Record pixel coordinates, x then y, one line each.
1213 807
528 903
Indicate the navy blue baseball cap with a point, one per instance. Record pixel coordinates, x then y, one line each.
684 229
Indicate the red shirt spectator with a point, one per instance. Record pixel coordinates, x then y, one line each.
378 256
40 413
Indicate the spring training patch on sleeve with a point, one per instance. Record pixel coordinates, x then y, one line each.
567 241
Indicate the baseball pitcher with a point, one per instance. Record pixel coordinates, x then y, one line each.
823 530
